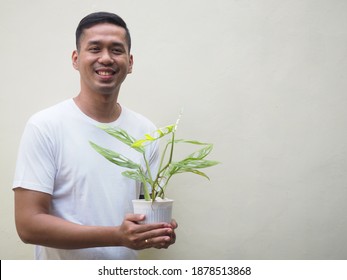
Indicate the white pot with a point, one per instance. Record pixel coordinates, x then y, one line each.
155 212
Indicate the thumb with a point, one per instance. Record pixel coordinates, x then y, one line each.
135 217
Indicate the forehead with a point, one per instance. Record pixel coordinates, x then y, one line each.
104 32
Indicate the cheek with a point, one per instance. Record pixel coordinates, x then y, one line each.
84 66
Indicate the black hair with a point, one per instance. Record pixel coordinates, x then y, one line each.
101 17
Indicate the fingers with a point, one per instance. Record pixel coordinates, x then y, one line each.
134 217
174 224
140 236
158 238
157 242
160 241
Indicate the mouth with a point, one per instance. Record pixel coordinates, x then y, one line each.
105 72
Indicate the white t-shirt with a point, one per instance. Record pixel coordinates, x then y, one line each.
55 157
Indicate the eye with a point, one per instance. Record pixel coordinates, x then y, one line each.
117 50
94 49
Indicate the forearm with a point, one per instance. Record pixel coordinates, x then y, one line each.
51 231
35 225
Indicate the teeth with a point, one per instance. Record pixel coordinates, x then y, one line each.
104 73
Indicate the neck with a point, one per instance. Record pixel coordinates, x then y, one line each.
102 109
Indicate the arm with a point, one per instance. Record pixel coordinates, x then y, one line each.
35 225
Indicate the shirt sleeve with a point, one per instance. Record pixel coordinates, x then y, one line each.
35 168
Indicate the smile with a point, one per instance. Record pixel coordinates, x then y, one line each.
105 73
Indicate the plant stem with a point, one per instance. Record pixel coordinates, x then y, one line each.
157 189
172 146
145 190
162 159
161 191
149 176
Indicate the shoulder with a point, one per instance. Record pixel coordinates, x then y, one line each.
48 122
132 118
51 115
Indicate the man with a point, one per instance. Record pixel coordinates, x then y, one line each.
69 200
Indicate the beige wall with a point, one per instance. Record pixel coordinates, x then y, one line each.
264 80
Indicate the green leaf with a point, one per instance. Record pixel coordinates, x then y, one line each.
139 176
135 175
195 163
115 157
122 136
156 135
197 172
194 142
188 165
202 153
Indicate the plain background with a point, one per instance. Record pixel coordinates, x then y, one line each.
264 80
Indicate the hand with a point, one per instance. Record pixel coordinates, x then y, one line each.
172 236
141 236
174 225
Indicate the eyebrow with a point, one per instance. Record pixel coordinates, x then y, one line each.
97 42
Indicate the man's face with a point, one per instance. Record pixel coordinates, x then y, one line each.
103 59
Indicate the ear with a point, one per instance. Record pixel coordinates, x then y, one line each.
75 59
131 62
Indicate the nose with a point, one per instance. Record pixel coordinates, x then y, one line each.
106 58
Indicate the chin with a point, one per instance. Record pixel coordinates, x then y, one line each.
107 91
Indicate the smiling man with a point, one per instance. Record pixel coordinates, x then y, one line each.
103 59
69 201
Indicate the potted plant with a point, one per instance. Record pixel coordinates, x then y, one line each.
156 184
